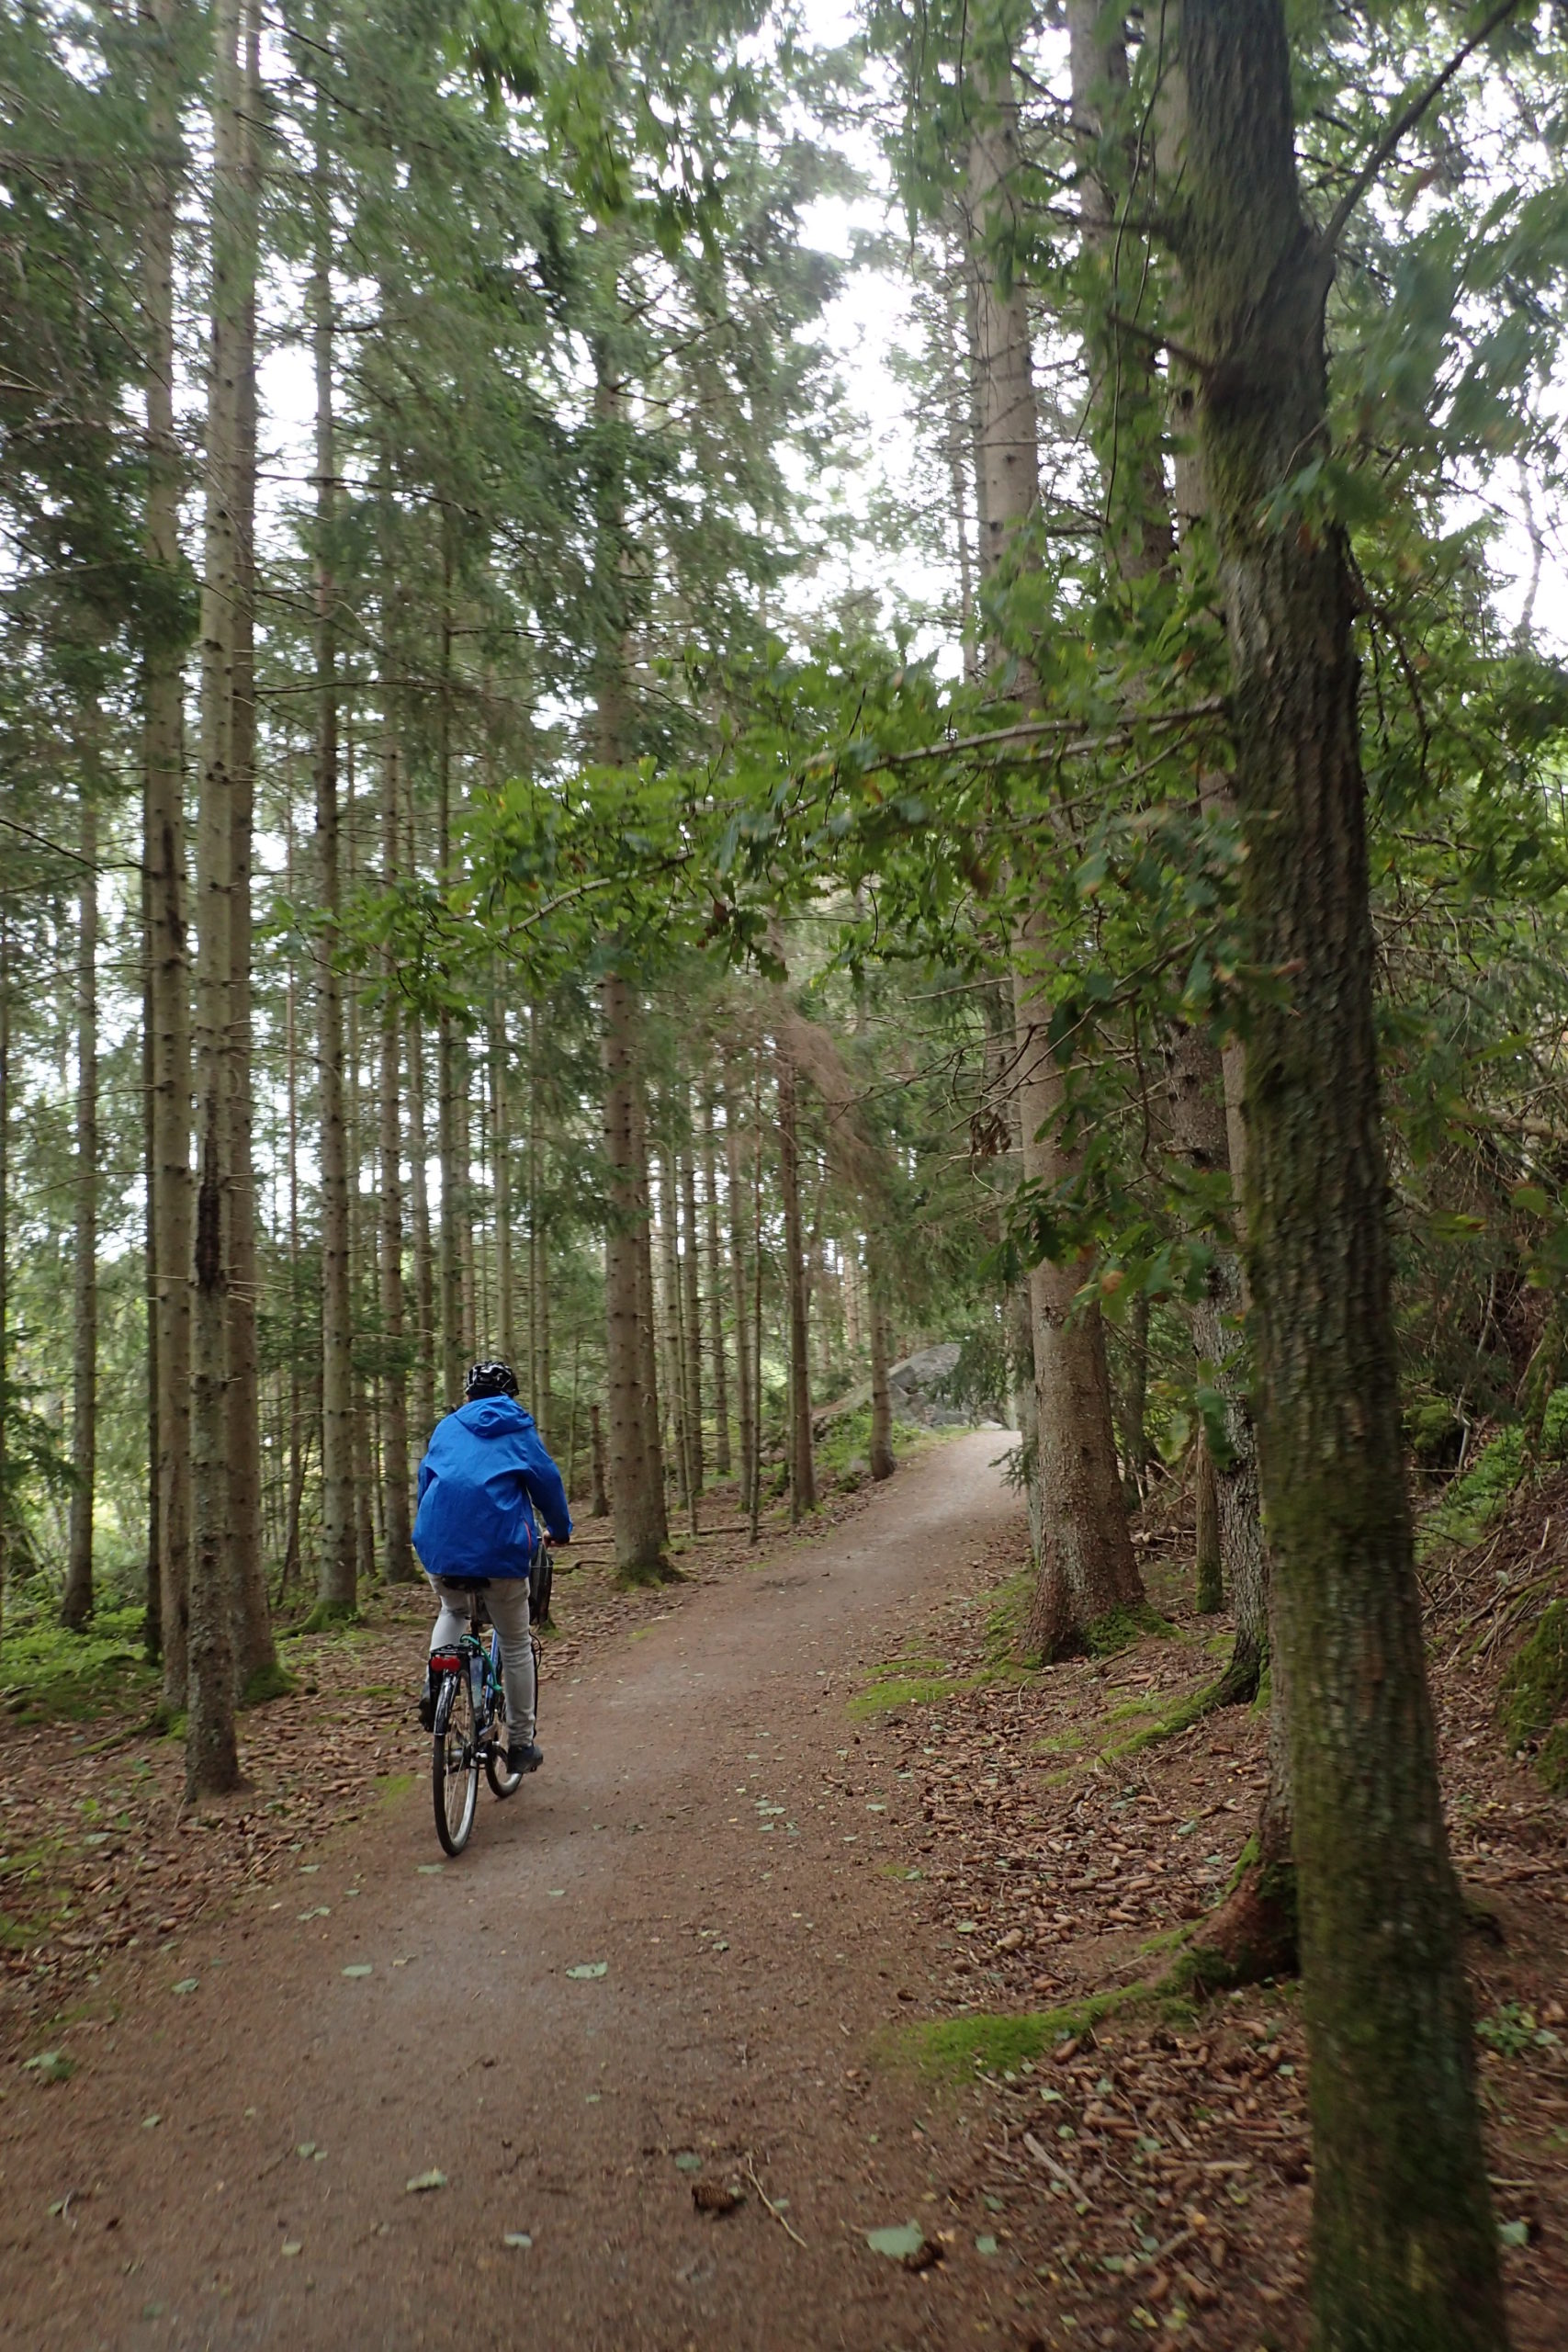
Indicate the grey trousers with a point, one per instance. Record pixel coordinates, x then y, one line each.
507 1597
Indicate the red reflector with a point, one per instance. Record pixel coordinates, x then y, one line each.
445 1662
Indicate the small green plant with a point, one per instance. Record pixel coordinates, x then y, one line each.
1512 2031
1532 1702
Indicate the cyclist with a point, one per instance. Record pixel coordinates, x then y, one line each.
483 1471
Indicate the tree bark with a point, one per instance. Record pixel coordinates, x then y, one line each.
211 1757
153 1617
1086 1571
801 1463
723 1465
424 1247
76 1603
692 1322
500 1087
677 1386
1087 1574
451 1119
256 1670
163 857
397 1560
1200 1139
745 1398
1208 1595
336 1578
637 1507
1405 2239
600 1506
882 1459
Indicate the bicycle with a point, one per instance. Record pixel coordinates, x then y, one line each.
470 1715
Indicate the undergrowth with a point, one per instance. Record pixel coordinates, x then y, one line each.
1474 1500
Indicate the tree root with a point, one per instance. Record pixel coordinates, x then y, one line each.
1251 1935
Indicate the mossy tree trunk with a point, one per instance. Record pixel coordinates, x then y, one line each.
1405 2240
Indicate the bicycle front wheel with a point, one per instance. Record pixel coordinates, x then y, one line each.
454 1766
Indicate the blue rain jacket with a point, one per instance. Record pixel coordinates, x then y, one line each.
484 1469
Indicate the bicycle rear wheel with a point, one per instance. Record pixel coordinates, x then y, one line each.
454 1764
503 1783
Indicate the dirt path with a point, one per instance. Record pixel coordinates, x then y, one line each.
230 2168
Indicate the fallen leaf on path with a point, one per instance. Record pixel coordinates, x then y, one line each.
688 2161
518 2238
898 2244
51 2066
590 1968
292 2246
424 2180
185 1984
360 1968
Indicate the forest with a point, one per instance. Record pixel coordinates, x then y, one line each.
700 693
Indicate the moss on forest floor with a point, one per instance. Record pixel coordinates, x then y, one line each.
984 2043
1532 1701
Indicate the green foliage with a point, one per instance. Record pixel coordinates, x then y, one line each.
1532 1698
1472 1502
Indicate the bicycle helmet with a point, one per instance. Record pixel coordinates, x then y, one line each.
493 1379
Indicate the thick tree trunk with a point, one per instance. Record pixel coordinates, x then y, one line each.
723 1465
336 1578
1405 2239
76 1603
801 1462
256 1670
164 855
397 1559
745 1397
637 1504
211 1758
